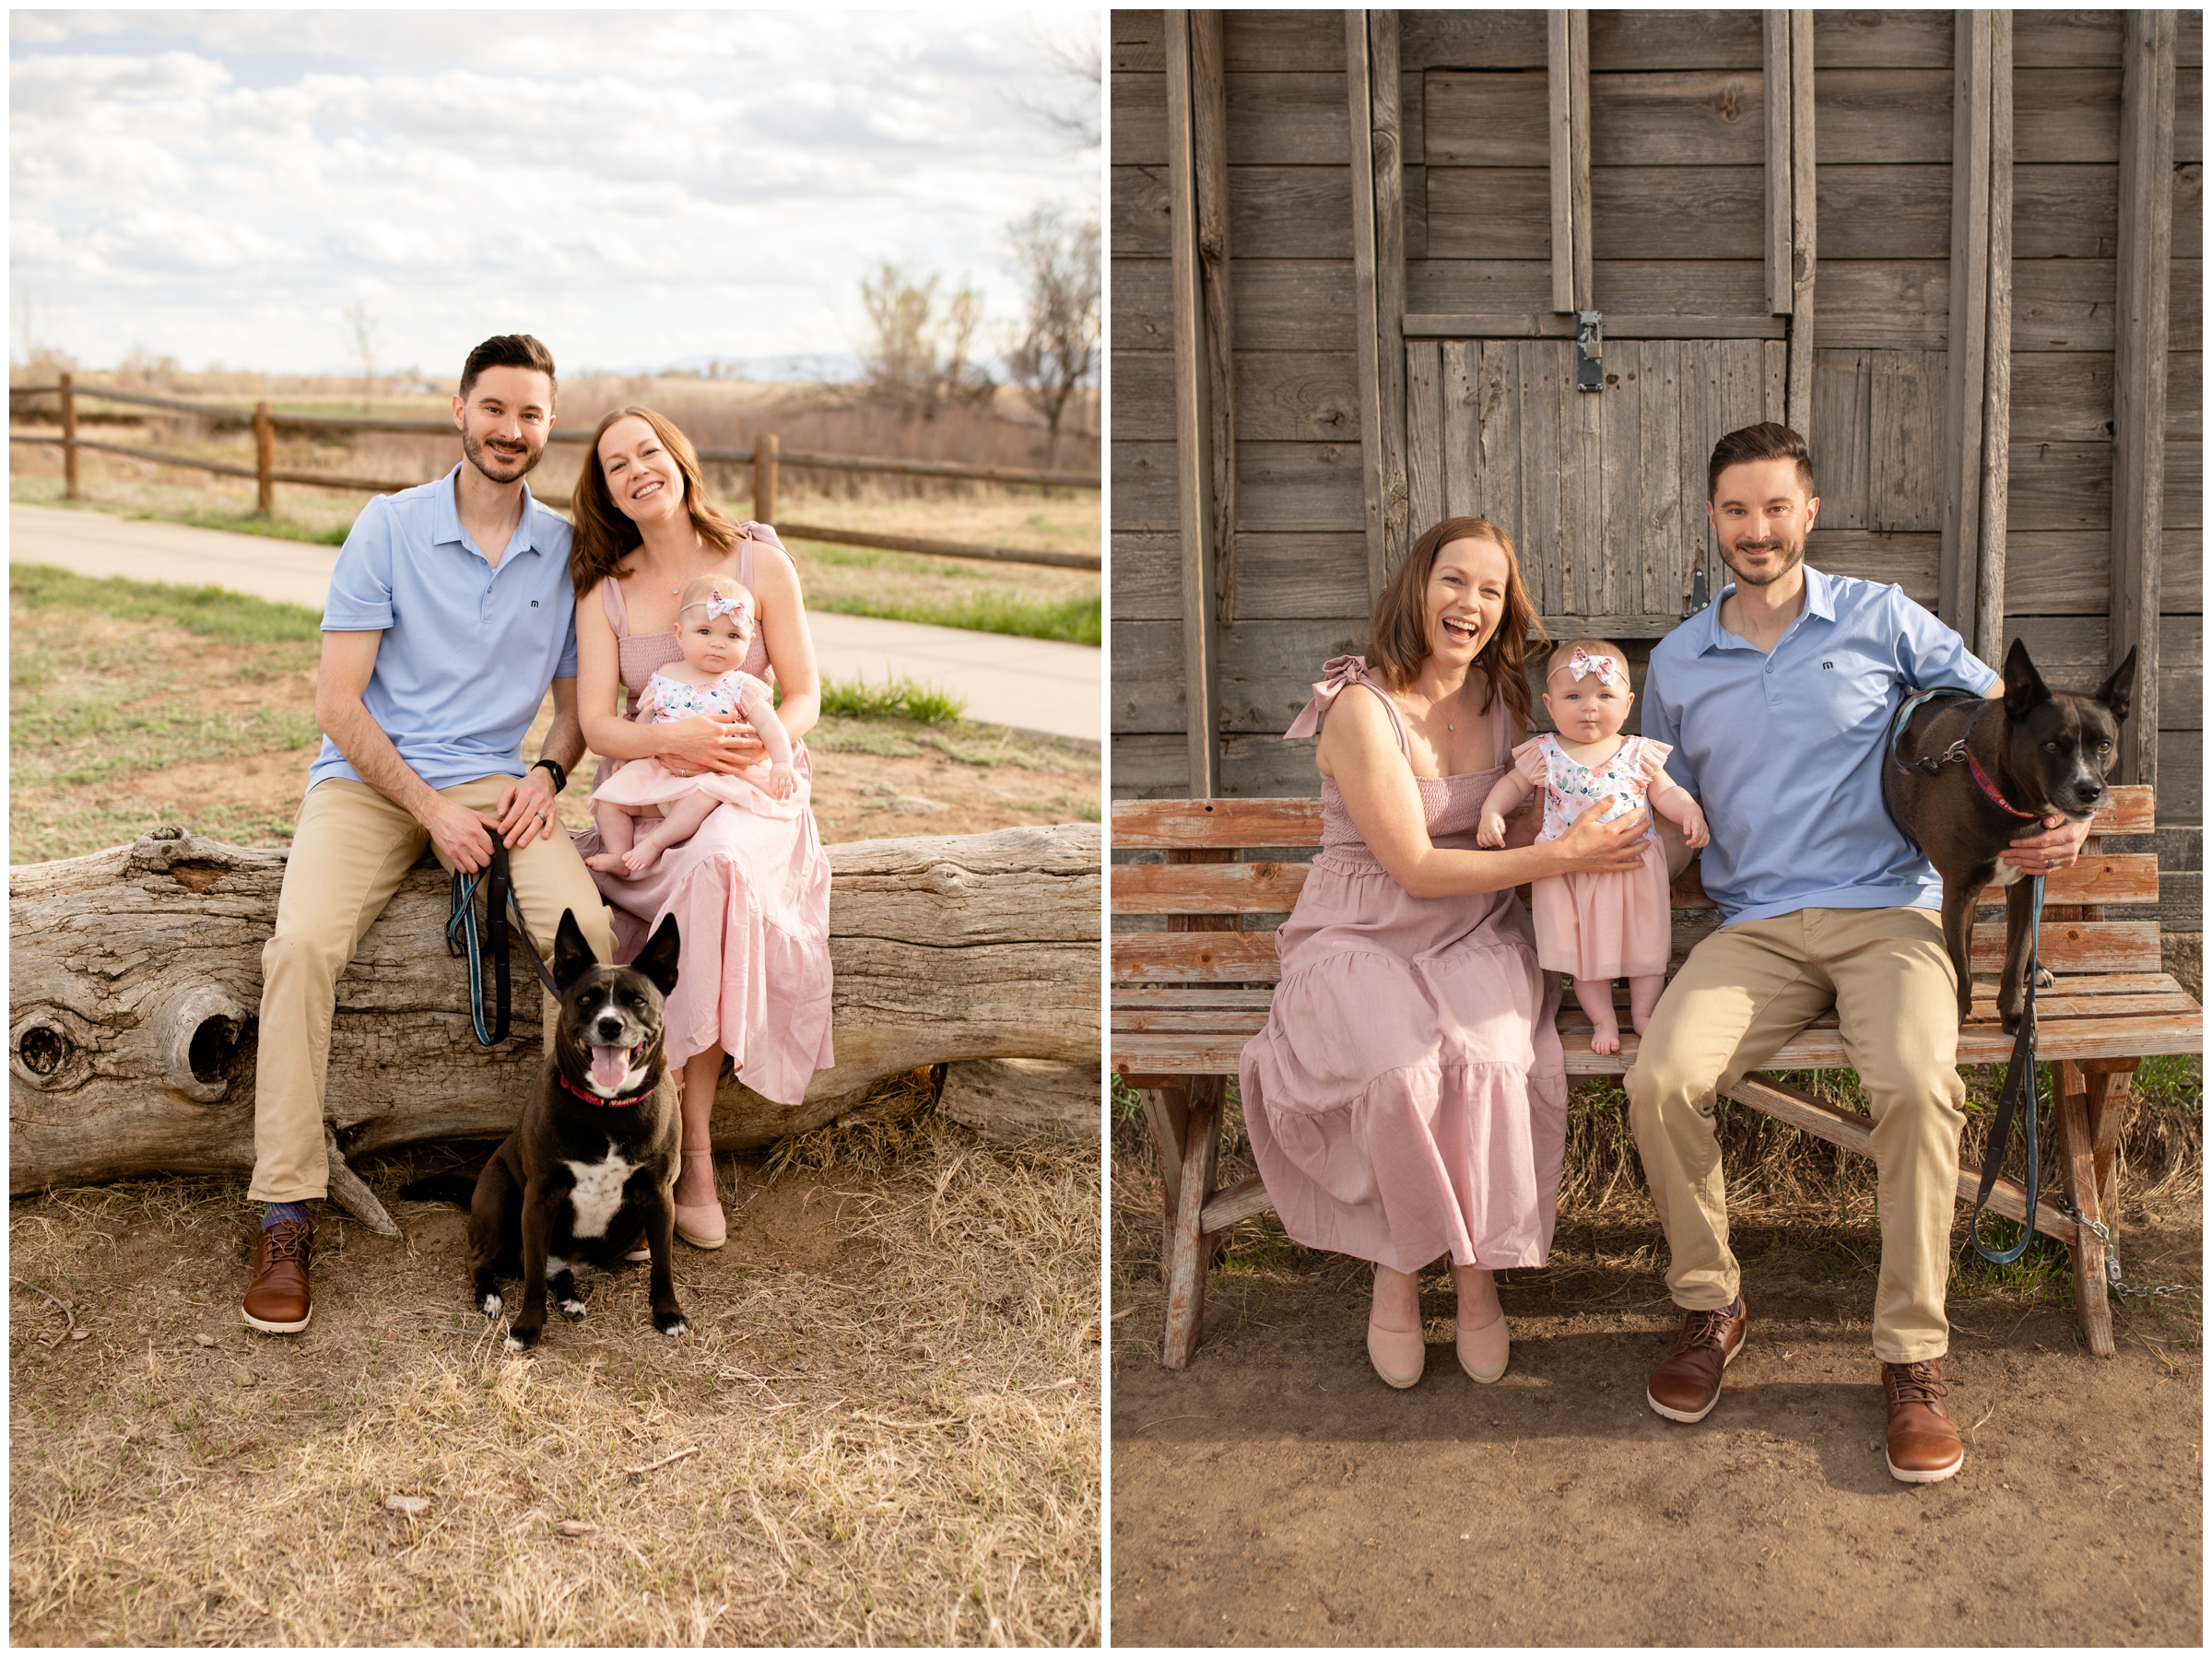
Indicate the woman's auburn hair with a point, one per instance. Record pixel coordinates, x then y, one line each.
1398 631
606 534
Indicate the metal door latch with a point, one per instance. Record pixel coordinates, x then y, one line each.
1590 351
1697 595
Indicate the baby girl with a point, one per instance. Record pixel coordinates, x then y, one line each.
714 629
1597 927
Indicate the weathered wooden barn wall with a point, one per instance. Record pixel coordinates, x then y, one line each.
1432 279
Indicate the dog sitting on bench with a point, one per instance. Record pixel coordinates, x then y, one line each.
1964 778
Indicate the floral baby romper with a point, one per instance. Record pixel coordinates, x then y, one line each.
649 783
1595 926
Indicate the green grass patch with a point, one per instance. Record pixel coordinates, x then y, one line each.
253 524
211 612
2174 1079
1072 621
900 698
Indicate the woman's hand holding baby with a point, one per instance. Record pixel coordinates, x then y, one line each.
707 742
1593 846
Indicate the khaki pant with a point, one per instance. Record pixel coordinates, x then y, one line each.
1744 992
350 851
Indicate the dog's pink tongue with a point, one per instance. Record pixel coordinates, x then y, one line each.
610 1065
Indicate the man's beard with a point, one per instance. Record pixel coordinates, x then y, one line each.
493 464
1791 558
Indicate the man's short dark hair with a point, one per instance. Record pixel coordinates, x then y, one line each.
506 351
1767 441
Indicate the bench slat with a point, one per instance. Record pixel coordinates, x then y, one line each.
1185 824
1231 888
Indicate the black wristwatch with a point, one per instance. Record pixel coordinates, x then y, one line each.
560 773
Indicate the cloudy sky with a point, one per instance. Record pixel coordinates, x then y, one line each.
640 189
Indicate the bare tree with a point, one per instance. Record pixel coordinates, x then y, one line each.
921 355
1069 104
362 335
1058 258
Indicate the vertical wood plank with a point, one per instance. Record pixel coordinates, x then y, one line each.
1577 146
1702 428
1209 124
1560 82
2139 337
1804 225
1366 336
1985 637
1775 90
69 490
1667 528
1427 462
1906 421
1955 578
1166 1110
1537 412
1497 414
2109 1093
1193 422
1842 464
1582 493
264 462
1463 483
767 446
1619 439
1389 184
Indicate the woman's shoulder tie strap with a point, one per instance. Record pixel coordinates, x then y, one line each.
1336 674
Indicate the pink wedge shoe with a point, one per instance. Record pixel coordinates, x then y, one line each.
1484 1353
1398 1354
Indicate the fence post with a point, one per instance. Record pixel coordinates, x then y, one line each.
69 438
264 462
765 448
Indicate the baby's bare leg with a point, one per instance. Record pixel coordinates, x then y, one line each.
1596 996
680 824
618 830
1643 995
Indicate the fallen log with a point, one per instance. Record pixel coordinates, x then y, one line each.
135 977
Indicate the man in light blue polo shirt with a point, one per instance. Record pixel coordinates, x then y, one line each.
1777 701
451 611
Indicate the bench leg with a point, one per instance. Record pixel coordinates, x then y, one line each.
2110 1089
1192 1251
2078 1158
1166 1110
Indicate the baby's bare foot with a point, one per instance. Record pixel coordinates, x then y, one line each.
607 862
641 858
1604 1037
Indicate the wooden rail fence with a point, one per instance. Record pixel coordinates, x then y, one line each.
766 458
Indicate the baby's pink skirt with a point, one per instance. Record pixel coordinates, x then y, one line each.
1606 926
649 782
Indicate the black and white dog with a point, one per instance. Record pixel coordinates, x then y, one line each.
592 1165
1966 777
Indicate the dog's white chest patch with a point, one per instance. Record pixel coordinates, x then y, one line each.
2006 874
598 1193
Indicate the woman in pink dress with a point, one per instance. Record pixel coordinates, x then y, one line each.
1407 1098
750 890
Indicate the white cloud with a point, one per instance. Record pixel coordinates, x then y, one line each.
217 185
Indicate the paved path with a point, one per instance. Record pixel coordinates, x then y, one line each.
1029 683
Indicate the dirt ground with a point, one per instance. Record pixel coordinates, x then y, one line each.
878 1433
1278 1493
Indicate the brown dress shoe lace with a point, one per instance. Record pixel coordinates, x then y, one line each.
278 1301
1687 1384
1924 1440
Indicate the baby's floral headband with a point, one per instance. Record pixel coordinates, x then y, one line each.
1582 664
715 604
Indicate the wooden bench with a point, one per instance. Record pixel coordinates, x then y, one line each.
1186 999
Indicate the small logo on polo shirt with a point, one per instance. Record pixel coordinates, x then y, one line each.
1824 664
534 605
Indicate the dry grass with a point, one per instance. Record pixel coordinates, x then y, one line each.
884 1431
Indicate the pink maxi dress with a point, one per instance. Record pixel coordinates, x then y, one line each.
1407 1098
750 894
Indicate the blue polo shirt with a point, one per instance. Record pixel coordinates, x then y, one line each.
1784 752
468 649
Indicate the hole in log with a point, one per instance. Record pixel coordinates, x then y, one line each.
42 1049
196 876
213 1043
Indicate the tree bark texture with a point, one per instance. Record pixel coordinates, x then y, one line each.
134 979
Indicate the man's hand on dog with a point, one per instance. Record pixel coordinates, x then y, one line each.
2054 847
526 810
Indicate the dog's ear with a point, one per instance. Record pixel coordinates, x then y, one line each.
2117 692
573 956
658 959
2024 688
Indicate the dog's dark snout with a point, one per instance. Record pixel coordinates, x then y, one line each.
609 1027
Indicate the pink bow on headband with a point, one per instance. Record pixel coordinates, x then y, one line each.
715 604
1582 665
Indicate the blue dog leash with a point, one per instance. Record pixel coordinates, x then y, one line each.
461 937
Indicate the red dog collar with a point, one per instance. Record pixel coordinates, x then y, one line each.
604 1104
1989 788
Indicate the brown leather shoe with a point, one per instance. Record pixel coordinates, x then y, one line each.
276 1301
1924 1440
1686 1386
